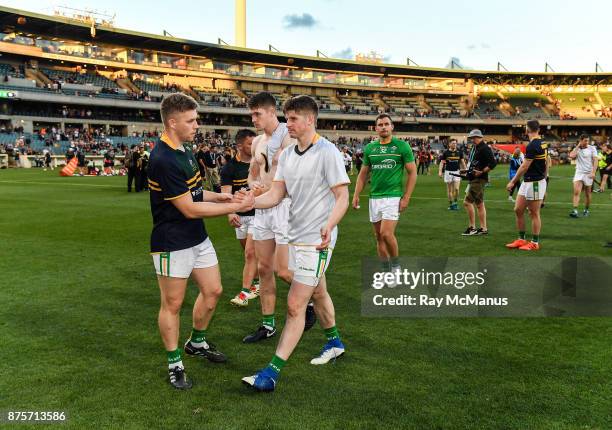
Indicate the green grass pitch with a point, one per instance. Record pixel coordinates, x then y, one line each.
78 324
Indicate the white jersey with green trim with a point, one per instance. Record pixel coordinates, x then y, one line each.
309 177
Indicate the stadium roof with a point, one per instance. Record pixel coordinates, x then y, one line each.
62 27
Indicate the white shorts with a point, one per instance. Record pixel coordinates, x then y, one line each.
246 226
385 208
309 264
273 223
179 264
448 178
585 178
533 190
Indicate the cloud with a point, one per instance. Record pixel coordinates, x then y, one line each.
473 46
305 20
346 54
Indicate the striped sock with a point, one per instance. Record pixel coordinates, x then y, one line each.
522 235
174 358
536 238
268 321
198 337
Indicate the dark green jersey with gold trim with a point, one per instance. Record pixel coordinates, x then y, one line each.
172 174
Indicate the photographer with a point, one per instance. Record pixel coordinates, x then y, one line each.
480 161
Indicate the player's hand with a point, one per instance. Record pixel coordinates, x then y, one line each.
325 238
510 186
439 174
477 173
258 188
356 202
224 197
240 195
234 220
403 204
246 202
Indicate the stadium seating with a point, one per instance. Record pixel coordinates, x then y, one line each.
402 105
87 78
446 107
220 98
578 105
11 70
359 104
529 106
487 106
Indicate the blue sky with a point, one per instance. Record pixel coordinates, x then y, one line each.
571 36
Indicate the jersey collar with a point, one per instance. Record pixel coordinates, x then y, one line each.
166 139
315 139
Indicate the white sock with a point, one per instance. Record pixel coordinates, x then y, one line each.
177 364
202 344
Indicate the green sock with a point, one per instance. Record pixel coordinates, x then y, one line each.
586 208
174 357
386 265
255 281
276 364
575 208
521 235
395 261
536 238
268 320
245 290
198 336
332 333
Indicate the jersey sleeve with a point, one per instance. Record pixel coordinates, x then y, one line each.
227 174
407 154
170 179
279 176
334 171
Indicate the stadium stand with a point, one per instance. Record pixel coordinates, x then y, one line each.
576 105
82 78
425 104
487 106
528 106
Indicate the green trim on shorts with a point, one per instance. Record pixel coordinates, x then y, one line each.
323 254
164 257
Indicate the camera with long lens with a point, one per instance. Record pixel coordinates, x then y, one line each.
467 175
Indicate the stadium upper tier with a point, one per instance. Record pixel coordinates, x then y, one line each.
68 60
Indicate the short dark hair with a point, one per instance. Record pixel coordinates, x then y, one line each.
243 134
381 116
452 140
301 104
533 125
584 136
262 99
177 102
